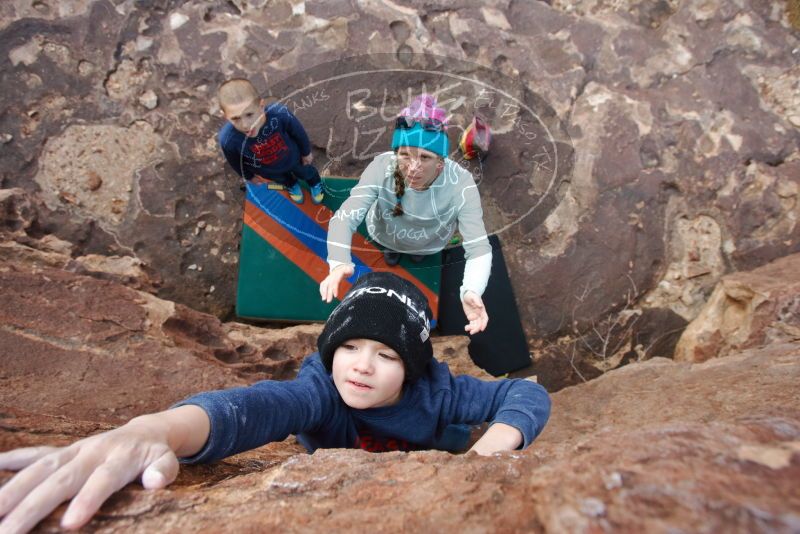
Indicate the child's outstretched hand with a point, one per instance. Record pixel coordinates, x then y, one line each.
329 287
90 470
475 312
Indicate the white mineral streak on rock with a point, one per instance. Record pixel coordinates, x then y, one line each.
590 113
696 264
717 126
122 266
772 457
495 17
149 99
169 53
176 20
26 54
143 43
778 89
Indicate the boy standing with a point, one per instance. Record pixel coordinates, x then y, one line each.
374 384
266 143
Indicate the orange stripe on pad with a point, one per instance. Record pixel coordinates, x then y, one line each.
285 243
368 253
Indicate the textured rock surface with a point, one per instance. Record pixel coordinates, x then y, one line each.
661 392
677 124
78 337
747 309
654 446
71 344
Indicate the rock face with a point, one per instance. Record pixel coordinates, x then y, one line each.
672 154
96 336
656 445
747 309
663 157
653 446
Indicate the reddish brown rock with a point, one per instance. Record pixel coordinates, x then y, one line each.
746 309
23 245
662 392
93 349
453 351
675 125
651 447
16 211
633 336
680 164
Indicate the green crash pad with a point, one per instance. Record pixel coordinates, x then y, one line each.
283 251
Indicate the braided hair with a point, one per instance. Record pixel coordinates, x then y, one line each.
399 190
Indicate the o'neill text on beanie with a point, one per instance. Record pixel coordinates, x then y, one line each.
386 308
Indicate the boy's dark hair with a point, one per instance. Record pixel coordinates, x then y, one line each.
383 307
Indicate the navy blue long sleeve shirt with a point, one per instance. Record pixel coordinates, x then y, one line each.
277 148
310 407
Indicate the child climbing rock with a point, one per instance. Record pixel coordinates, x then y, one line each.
374 384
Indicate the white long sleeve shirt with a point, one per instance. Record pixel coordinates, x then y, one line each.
429 220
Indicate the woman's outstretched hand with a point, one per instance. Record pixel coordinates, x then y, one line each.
329 288
90 470
475 312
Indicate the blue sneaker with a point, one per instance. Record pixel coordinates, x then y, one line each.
317 193
296 193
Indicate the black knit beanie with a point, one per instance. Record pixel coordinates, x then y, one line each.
382 307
